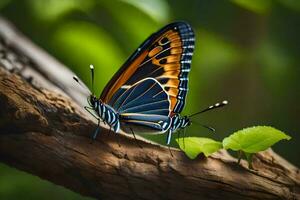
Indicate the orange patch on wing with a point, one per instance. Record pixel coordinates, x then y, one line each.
174 37
175 44
156 62
173 74
172 83
173 58
176 51
155 51
173 102
173 92
125 76
171 66
172 34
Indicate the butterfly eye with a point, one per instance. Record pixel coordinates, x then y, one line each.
94 100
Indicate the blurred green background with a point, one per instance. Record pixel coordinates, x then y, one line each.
247 51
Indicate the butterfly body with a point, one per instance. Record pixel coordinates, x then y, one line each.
177 122
106 113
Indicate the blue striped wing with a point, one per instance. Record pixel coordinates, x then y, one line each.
144 107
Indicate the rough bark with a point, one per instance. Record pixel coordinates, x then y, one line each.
44 132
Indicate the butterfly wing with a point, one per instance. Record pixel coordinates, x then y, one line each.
144 107
165 56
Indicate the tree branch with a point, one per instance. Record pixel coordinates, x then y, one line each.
44 132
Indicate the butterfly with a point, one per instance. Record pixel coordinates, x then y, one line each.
150 88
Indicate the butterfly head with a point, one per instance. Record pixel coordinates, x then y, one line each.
92 100
186 121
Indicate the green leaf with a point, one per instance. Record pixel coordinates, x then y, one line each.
254 139
193 146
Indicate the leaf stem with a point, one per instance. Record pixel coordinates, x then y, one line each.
239 156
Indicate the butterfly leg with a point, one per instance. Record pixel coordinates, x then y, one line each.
118 139
96 131
98 125
169 136
90 110
184 135
135 138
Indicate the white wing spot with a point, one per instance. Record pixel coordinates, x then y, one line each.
125 86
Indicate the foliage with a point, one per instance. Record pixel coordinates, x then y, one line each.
193 146
248 141
254 139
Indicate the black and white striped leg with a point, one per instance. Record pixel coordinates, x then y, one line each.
169 137
90 110
97 131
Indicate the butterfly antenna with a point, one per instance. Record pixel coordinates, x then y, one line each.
217 105
92 74
81 83
205 126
